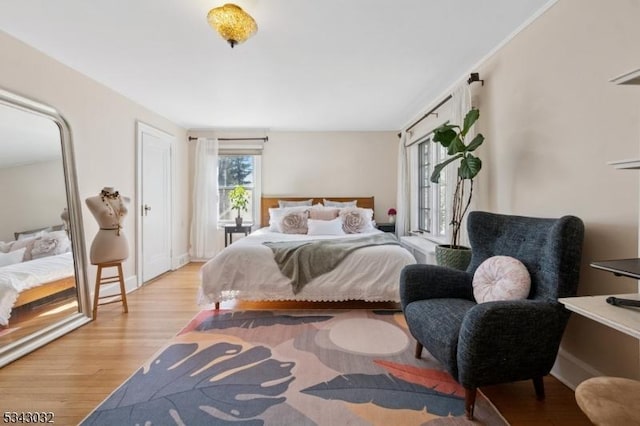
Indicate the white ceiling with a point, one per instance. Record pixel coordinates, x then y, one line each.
330 65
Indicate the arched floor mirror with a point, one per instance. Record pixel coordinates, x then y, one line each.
43 285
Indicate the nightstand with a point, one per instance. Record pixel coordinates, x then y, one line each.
386 227
229 230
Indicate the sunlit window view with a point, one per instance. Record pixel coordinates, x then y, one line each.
235 170
432 197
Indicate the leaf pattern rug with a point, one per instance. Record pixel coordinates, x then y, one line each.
295 367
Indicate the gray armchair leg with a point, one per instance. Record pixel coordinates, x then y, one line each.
469 401
418 353
538 385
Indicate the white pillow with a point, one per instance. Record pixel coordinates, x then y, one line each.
324 227
286 203
340 204
501 278
5 247
12 257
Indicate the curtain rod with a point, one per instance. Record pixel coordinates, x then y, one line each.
264 139
473 77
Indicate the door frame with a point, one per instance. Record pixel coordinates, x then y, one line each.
142 128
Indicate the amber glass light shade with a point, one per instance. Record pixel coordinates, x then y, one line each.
232 23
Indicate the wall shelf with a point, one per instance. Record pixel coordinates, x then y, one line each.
631 77
630 164
626 320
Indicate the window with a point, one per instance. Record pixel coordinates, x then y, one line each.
432 198
233 170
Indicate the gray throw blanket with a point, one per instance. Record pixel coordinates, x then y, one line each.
302 261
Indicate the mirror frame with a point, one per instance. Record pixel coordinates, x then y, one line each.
21 347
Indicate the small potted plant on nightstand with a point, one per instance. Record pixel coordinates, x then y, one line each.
452 136
239 198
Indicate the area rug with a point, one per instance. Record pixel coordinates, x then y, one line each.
296 367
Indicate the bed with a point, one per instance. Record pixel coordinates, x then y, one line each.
246 270
42 266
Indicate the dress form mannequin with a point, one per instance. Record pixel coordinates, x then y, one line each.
110 244
65 219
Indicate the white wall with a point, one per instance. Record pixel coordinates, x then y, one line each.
551 121
103 126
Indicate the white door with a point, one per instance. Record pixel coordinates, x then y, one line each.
154 148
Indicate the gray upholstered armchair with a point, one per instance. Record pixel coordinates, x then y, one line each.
502 341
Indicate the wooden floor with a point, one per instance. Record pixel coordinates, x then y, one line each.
73 374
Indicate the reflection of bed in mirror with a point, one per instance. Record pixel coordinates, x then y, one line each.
43 285
36 267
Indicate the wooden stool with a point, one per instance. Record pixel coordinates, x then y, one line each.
100 280
610 400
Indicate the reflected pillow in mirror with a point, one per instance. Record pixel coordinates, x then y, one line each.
12 257
51 244
5 247
26 243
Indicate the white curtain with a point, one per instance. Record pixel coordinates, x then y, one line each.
403 217
204 221
460 105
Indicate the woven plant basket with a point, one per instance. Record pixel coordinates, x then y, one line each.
457 258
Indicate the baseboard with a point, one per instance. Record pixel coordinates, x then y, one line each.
571 370
178 262
131 283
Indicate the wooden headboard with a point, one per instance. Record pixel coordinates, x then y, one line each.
270 202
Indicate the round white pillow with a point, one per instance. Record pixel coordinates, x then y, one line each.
501 278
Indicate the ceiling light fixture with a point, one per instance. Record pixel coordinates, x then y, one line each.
232 23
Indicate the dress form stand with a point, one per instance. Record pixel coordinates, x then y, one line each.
110 247
100 280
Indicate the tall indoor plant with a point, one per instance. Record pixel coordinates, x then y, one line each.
239 198
452 137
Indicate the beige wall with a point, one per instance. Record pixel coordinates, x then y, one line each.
37 195
551 121
331 164
103 126
339 164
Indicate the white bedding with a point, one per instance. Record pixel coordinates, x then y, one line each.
23 276
246 270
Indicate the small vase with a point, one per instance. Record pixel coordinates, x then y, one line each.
392 218
239 221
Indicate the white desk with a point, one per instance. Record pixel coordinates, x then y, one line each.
624 319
